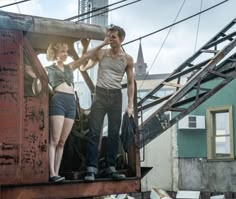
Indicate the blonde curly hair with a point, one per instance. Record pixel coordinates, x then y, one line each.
54 48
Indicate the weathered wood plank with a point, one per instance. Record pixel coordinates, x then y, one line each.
34 24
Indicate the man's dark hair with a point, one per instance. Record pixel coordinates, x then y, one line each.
121 32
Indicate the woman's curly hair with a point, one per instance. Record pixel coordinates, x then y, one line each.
53 49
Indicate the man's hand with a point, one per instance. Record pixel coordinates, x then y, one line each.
129 111
107 39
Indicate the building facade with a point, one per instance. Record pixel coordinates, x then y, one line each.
198 153
206 153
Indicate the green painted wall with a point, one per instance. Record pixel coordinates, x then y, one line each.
192 143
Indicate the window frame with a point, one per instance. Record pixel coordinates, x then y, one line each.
210 120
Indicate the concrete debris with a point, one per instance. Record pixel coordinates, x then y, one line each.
159 194
104 197
119 196
188 195
124 196
218 197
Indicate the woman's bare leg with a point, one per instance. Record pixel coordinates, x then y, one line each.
67 126
56 126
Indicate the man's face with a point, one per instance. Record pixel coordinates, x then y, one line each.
115 41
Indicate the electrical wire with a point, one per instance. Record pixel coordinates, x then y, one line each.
175 23
18 7
162 45
95 10
198 25
11 4
109 10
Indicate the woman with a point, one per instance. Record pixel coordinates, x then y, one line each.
62 106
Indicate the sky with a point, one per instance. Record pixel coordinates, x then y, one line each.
163 51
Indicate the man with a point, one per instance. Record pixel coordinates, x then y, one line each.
113 64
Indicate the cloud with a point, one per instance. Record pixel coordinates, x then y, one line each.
145 17
152 15
29 8
72 8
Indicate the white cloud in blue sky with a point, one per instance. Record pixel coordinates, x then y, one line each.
145 17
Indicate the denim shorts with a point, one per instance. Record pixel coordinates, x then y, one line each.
63 104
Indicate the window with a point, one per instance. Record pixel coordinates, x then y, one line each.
220 133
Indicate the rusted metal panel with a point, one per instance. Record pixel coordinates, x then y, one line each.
11 109
35 135
134 153
71 190
24 120
35 142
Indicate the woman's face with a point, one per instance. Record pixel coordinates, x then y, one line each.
62 53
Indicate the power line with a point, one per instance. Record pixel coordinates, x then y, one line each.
198 25
162 44
18 7
109 10
11 4
175 23
95 10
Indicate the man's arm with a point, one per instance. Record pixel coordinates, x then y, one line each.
130 84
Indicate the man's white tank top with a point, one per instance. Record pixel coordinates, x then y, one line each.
111 71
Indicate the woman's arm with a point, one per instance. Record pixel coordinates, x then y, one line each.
91 62
85 44
92 54
36 84
75 64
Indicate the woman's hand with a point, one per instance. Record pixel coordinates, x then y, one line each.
85 43
82 68
30 72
